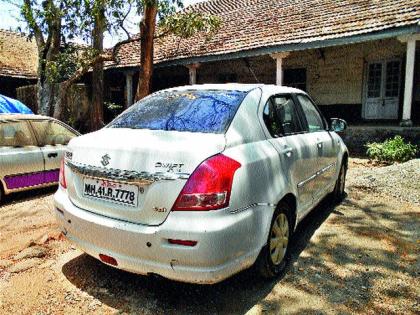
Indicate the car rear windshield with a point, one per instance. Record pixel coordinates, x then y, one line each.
208 111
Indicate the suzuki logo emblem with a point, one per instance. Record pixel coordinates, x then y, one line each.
105 160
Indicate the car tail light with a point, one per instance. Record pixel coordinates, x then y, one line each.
108 259
182 242
209 186
62 177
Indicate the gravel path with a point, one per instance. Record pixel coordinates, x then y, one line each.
401 181
360 257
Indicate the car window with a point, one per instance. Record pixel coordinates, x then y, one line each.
50 132
208 111
280 116
16 134
314 119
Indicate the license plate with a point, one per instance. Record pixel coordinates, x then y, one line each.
111 191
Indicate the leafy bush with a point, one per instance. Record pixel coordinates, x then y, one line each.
392 150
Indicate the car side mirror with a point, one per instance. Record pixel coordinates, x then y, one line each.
338 124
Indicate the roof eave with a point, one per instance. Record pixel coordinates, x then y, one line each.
267 50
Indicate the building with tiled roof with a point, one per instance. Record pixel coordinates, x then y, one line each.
18 61
357 58
251 27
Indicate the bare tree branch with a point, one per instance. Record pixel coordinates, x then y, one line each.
84 69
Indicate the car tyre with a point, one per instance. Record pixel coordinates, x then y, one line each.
273 257
340 184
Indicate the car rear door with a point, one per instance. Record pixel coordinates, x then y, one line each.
320 139
287 136
52 138
21 160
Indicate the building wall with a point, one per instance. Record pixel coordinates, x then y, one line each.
248 70
335 75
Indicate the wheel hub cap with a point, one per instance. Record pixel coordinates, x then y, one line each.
279 238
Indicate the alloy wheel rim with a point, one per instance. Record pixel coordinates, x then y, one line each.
279 238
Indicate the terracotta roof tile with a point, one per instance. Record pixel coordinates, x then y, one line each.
18 55
252 24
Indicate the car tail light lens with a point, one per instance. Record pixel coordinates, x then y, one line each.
182 242
209 186
108 259
62 177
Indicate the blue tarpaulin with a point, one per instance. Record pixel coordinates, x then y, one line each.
10 105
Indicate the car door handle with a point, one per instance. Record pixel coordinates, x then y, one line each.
52 155
287 151
319 144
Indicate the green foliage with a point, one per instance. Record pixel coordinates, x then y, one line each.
392 150
71 58
113 106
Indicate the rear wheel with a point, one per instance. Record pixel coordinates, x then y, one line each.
340 184
273 258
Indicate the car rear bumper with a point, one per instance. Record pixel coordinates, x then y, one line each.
226 243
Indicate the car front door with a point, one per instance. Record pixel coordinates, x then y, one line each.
319 138
21 160
53 138
296 157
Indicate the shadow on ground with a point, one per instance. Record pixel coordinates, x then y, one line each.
27 195
363 259
130 292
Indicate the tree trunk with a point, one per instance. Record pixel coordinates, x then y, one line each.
97 110
47 51
46 97
147 32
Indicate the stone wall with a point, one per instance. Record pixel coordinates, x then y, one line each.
335 74
77 104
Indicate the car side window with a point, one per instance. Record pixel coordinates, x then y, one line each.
50 132
280 116
313 118
16 134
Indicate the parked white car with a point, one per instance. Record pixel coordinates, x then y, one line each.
31 148
200 182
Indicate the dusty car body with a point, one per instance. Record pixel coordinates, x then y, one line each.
31 148
200 182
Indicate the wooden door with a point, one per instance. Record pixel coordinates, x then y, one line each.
382 90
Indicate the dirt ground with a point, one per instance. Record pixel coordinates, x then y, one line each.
360 257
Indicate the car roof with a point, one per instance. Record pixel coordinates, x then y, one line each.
237 87
14 117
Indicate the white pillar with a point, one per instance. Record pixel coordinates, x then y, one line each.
409 76
128 89
279 66
192 69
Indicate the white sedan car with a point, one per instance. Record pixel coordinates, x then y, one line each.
200 182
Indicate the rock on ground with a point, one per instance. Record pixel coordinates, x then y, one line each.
31 252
